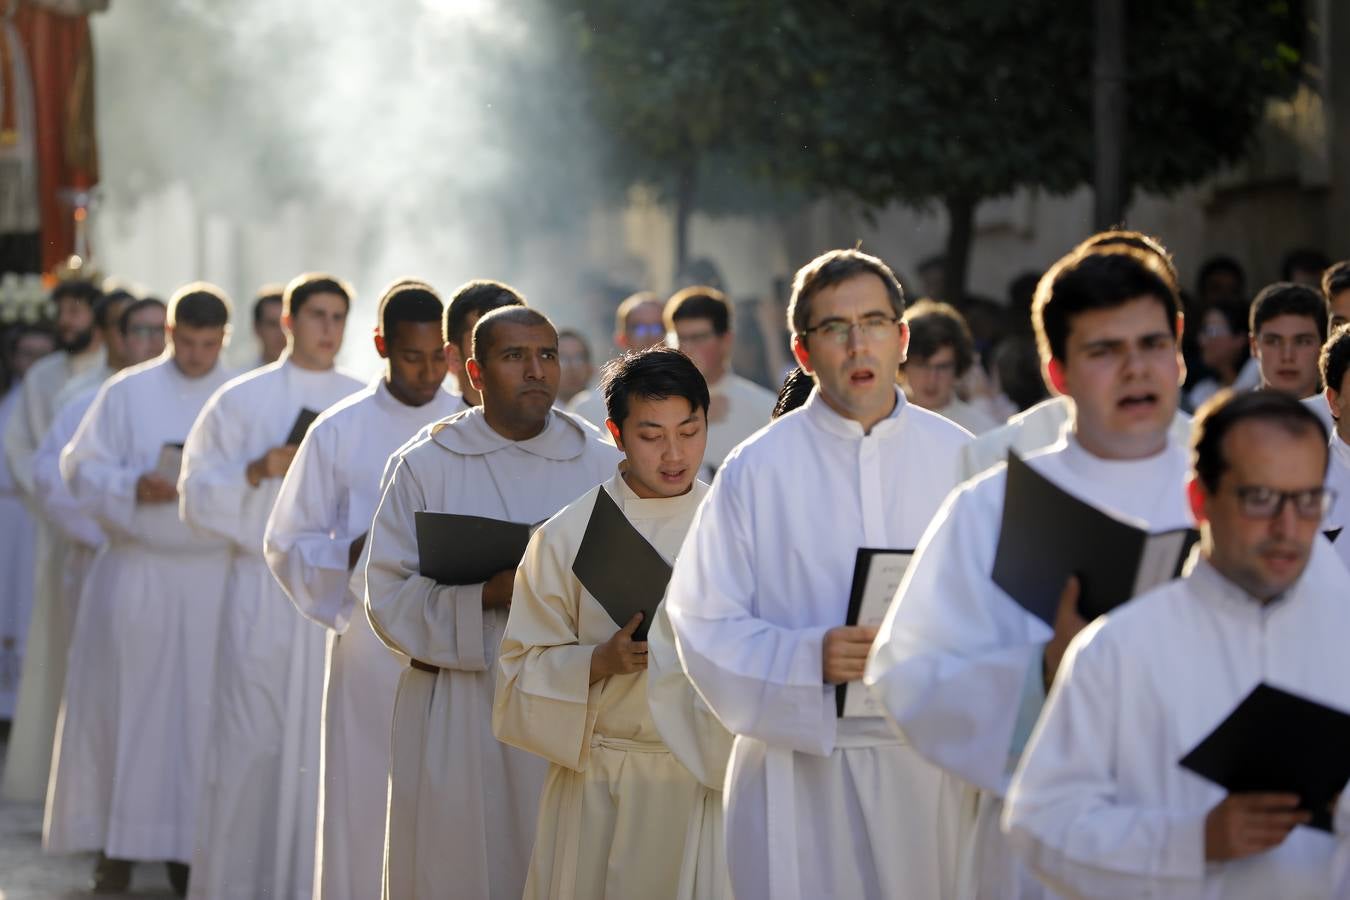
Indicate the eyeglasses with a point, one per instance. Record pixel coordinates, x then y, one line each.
872 328
1266 503
641 330
145 331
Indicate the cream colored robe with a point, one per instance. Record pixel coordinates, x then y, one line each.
462 805
703 745
614 808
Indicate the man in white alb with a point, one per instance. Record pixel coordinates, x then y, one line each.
462 805
819 805
256 823
1100 807
637 326
313 540
961 668
1335 367
126 777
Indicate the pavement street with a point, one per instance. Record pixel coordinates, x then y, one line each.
26 873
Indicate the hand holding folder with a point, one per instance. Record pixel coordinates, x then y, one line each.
619 567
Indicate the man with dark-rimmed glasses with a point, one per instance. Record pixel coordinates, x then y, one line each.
819 804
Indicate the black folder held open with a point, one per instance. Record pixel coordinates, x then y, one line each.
619 567
877 575
300 426
455 549
1275 741
1048 534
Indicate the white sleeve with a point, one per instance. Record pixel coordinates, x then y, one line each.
95 466
761 679
435 623
214 494
308 538
955 655
1062 814
66 514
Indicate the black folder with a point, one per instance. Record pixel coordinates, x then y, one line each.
455 549
1333 534
1280 742
874 592
619 567
301 425
1048 534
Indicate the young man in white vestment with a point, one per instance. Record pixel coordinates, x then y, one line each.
1334 365
133 730
961 668
462 806
24 346
698 322
313 540
819 805
257 820
572 681
1100 806
638 324
29 750
1289 325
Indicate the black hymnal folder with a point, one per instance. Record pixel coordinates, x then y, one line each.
301 425
1279 742
619 567
454 549
876 578
1048 534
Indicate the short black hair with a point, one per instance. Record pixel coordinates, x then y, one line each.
934 325
1335 359
795 390
830 269
1221 263
657 373
1305 258
511 314
106 312
408 300
77 289
199 305
698 302
1285 298
1098 277
268 293
1335 279
1217 416
124 320
1146 243
310 284
475 298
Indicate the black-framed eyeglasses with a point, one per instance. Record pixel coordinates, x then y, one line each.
872 328
1259 502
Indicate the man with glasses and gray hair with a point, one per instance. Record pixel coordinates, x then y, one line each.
820 804
1100 806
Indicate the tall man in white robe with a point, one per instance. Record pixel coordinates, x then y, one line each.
126 777
16 554
28 755
1334 365
818 805
1100 806
314 537
961 667
698 320
257 821
572 682
462 806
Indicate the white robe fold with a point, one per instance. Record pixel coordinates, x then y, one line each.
1338 479
748 407
1100 807
327 501
614 810
958 662
703 746
815 806
462 806
29 752
16 572
257 821
126 776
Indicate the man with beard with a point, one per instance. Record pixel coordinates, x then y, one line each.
462 805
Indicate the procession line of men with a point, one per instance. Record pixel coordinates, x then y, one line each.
296 709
